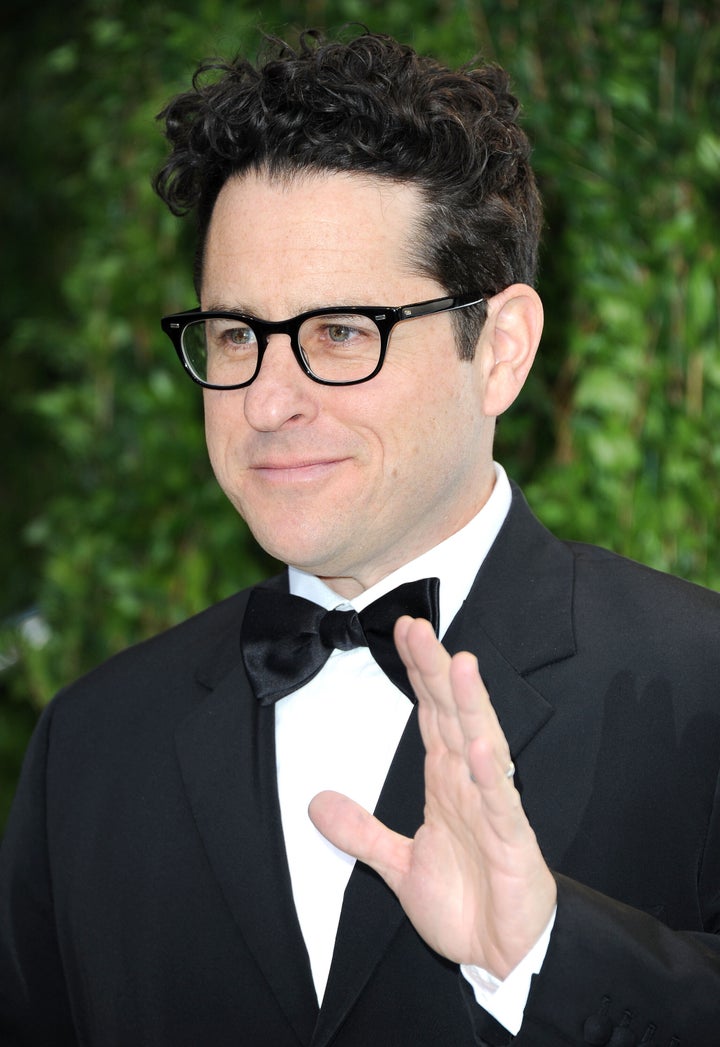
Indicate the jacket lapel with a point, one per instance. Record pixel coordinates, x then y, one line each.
226 751
517 618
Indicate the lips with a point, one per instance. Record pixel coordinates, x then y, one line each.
296 469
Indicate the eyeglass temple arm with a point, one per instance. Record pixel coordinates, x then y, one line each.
437 306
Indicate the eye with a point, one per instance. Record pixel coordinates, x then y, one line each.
340 333
332 332
238 336
229 337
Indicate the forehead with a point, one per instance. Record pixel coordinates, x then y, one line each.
310 239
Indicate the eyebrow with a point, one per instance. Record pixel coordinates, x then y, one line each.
223 307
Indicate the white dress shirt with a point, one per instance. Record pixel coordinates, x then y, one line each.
340 731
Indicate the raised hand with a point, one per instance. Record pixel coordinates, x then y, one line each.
473 880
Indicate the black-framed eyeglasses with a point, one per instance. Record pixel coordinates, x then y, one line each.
340 345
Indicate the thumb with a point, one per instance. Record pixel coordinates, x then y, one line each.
354 830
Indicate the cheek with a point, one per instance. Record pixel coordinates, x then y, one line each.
212 431
446 433
222 421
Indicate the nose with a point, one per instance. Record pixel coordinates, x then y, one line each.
281 393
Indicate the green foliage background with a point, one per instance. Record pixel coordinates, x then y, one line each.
112 525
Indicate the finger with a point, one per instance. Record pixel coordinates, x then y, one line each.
489 771
424 657
452 687
452 684
355 831
456 716
428 665
478 719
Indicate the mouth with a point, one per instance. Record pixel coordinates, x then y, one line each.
298 471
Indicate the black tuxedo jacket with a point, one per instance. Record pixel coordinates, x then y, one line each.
144 892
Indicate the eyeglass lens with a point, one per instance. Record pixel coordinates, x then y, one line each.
336 348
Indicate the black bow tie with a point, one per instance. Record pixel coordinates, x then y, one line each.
286 639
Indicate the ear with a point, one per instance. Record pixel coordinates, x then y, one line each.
508 344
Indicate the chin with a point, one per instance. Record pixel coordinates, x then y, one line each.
306 557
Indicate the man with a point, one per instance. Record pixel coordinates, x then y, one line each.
549 875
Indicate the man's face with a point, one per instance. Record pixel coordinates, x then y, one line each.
345 482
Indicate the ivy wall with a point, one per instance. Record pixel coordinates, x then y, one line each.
112 526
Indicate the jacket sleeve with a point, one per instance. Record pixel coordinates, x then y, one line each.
34 1008
617 976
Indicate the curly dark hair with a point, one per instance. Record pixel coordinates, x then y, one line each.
372 106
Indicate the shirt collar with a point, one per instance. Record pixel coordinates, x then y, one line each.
455 561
